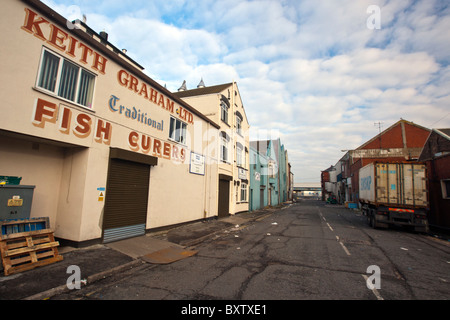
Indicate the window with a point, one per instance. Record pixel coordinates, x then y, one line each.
272 169
238 125
224 149
238 156
177 130
66 79
445 185
224 112
243 192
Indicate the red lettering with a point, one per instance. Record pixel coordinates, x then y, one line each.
169 105
72 46
133 84
84 52
132 140
32 25
144 90
83 129
157 147
166 150
161 101
153 95
122 77
99 63
44 111
103 132
182 113
57 37
182 155
174 152
145 143
64 125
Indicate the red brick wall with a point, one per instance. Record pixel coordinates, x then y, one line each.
438 169
415 138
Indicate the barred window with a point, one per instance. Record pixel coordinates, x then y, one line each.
66 79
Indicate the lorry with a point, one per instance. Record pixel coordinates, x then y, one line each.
395 193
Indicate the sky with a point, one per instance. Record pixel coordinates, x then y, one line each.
320 74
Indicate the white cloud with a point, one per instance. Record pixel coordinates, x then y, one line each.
311 71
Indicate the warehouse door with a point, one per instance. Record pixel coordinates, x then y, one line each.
224 198
261 198
126 200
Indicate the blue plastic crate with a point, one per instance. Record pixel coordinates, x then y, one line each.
24 225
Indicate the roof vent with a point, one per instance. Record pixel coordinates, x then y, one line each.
103 36
183 86
201 84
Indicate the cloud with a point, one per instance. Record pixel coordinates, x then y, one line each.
310 71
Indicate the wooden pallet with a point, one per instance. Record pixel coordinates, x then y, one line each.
28 250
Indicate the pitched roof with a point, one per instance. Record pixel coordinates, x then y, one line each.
400 122
202 91
262 147
437 144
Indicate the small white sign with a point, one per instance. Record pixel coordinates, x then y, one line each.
197 165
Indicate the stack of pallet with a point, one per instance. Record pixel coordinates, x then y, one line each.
30 245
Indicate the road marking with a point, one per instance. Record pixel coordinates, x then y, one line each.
374 290
321 215
329 226
345 248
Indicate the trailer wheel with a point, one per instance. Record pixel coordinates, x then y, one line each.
373 220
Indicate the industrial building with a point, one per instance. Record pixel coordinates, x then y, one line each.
108 151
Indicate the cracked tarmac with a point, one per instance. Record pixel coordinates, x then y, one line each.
291 254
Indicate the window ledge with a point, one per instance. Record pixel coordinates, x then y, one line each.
72 103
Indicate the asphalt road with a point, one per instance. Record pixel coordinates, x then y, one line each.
306 251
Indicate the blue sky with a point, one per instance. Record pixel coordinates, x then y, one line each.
309 71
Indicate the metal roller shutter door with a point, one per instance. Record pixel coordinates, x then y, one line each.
126 200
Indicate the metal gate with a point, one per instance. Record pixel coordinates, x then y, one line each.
126 200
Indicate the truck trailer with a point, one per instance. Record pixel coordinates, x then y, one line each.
395 193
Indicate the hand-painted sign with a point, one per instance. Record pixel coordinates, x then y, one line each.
135 114
62 41
146 91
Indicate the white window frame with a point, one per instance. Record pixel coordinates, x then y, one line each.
239 156
224 112
238 125
55 91
243 192
179 133
224 149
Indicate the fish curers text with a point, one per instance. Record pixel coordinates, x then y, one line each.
68 120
